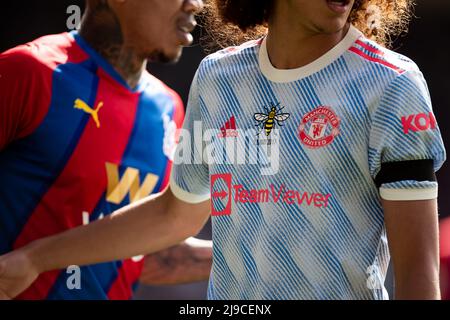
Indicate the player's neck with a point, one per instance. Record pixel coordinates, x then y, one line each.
291 45
105 37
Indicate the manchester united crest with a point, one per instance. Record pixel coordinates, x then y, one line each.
319 127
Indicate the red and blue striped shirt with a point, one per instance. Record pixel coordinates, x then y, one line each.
77 143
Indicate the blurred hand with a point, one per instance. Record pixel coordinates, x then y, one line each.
187 262
17 273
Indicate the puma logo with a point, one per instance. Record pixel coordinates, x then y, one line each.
81 105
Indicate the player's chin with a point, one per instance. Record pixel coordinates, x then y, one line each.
174 55
171 55
332 26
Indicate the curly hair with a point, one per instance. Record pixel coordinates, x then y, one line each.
232 22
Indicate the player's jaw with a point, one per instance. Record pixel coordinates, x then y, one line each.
307 17
170 47
336 13
322 16
157 29
177 33
179 37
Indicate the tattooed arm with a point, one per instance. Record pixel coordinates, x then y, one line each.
187 262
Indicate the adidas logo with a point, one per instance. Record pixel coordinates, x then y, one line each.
229 129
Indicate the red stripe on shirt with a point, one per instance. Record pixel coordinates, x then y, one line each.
80 186
383 62
130 271
370 48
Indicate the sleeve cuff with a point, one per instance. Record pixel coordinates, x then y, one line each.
408 194
185 196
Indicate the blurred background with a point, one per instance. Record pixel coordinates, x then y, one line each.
427 43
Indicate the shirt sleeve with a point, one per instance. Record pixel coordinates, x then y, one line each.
21 74
171 125
190 175
406 147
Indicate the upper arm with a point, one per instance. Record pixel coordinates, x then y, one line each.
22 87
412 230
11 103
189 180
191 216
405 151
405 146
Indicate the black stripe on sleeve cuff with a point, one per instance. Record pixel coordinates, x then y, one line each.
417 170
